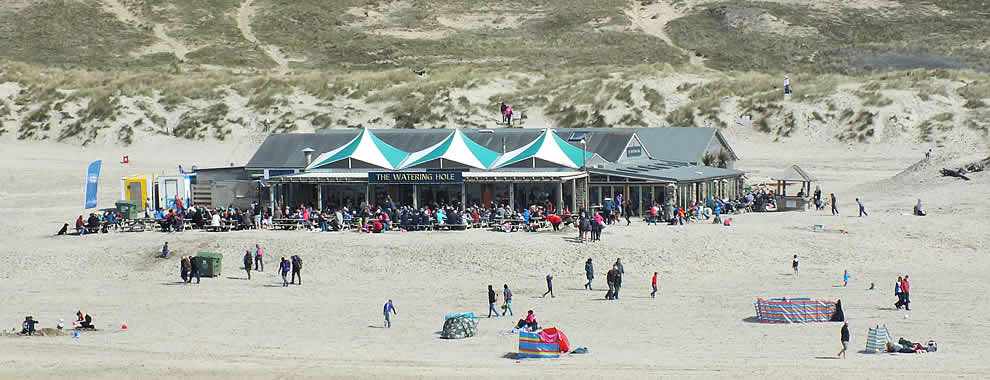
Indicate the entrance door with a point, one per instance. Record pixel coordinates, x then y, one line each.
134 192
171 191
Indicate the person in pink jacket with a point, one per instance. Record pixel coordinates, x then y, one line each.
906 292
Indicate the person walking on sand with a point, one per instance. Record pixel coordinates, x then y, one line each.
259 265
787 85
247 263
618 282
589 272
502 109
862 209
164 251
844 337
794 265
628 211
897 293
610 280
491 302
549 286
284 268
906 293
296 269
845 278
508 115
184 268
507 295
193 269
389 308
835 206
655 290
618 265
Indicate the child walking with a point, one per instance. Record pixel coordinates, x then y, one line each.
654 294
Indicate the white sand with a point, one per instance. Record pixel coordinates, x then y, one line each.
699 327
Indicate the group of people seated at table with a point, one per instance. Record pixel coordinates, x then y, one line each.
99 222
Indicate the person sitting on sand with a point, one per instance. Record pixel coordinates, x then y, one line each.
84 321
918 210
28 326
529 322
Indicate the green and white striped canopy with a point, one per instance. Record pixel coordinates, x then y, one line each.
365 147
456 147
548 147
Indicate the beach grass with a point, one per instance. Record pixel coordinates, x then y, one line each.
846 40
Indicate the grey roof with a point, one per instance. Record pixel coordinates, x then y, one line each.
672 144
796 174
680 144
661 170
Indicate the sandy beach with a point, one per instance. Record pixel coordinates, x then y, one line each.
702 325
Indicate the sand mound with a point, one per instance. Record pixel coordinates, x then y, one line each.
755 20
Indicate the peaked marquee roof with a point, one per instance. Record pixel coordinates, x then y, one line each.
548 147
456 147
364 147
794 174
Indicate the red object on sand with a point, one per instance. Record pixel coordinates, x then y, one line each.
552 335
126 160
123 327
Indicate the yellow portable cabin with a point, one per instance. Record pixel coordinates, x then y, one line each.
138 187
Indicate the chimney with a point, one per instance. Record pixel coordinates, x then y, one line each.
308 153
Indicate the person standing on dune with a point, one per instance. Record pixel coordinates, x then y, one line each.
835 206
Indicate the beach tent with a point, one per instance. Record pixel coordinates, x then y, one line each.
364 147
548 343
457 148
459 327
877 338
548 147
796 310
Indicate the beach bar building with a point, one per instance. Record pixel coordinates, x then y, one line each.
570 168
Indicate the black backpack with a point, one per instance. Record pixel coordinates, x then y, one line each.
297 261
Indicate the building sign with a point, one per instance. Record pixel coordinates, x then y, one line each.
438 177
634 151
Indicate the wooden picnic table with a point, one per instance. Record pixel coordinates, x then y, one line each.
289 224
133 225
225 225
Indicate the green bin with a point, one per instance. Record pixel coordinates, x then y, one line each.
129 209
209 263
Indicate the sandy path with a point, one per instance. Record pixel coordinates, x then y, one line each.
167 44
244 16
653 19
